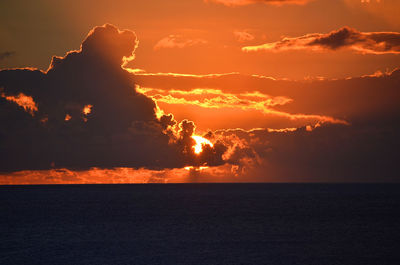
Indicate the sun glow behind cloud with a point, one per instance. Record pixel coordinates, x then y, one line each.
287 124
200 142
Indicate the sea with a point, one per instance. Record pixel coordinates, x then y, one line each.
255 223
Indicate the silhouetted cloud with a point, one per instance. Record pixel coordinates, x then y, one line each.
89 113
269 2
349 38
363 150
84 112
342 99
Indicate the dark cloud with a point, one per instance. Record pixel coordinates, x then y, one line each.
84 112
364 150
328 153
119 127
349 99
4 55
346 37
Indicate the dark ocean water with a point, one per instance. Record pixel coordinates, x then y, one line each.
201 224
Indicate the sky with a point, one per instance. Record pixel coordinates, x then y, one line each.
199 91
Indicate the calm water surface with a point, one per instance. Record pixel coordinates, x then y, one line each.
281 224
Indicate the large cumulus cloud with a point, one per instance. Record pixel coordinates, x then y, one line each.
88 114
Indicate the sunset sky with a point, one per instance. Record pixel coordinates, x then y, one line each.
199 91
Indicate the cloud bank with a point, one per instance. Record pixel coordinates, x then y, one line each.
293 148
87 117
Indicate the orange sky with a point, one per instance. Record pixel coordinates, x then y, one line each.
286 91
200 37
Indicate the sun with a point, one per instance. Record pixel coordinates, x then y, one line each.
200 141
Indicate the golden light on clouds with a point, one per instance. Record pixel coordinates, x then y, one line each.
200 142
24 101
87 109
221 102
238 88
189 168
216 98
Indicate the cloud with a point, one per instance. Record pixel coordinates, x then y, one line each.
87 119
84 112
119 175
269 2
177 41
328 153
243 36
364 150
5 55
23 101
216 99
92 176
346 99
344 38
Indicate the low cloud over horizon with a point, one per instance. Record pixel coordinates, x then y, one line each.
89 116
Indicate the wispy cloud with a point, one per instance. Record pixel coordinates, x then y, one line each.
269 2
4 55
217 99
344 38
177 41
243 36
